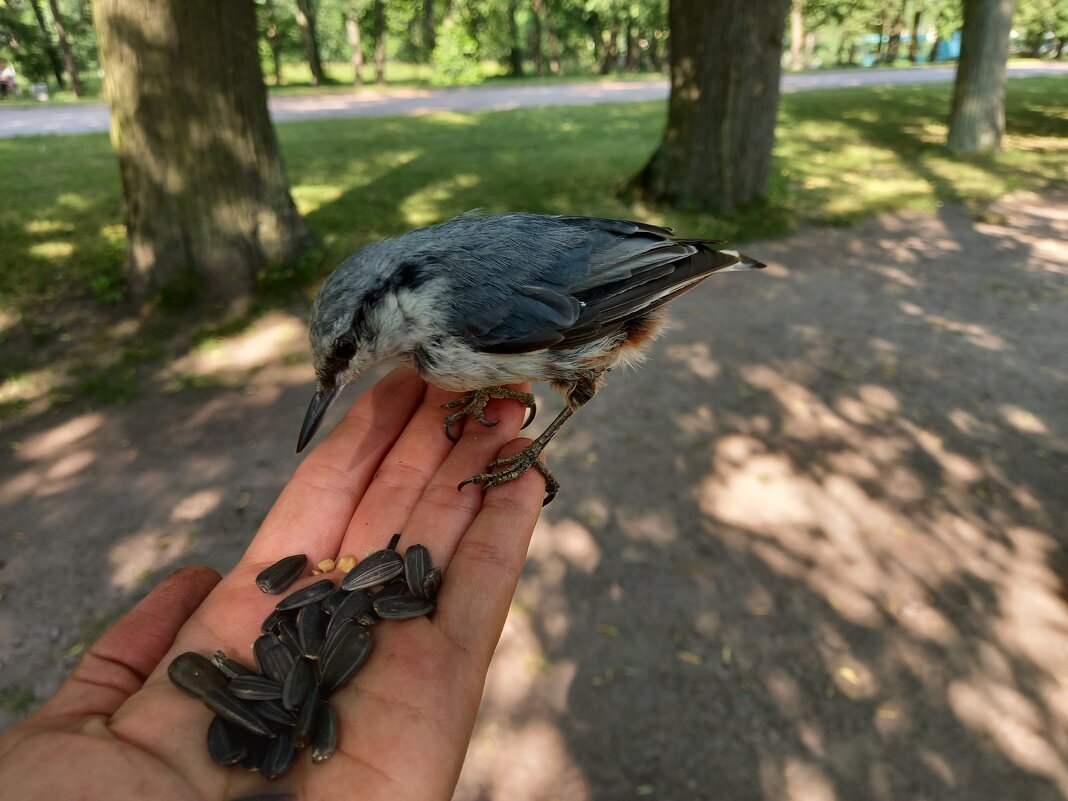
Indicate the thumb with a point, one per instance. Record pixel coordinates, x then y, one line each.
116 665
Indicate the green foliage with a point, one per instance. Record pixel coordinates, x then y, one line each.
456 56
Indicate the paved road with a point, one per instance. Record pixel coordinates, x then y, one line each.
24 121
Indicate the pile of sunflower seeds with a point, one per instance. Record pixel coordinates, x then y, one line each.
309 647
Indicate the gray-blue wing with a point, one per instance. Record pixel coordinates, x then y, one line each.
576 279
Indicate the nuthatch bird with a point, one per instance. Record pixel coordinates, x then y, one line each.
480 301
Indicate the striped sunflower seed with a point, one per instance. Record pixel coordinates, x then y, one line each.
279 756
288 635
345 659
281 574
298 684
311 629
255 688
274 712
416 565
343 627
272 658
231 668
237 712
307 595
332 601
378 568
324 741
227 743
195 674
431 583
402 607
358 601
307 718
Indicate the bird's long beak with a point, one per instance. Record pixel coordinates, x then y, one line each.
314 417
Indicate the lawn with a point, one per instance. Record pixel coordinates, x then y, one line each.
841 155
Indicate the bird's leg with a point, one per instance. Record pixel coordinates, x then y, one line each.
473 404
517 464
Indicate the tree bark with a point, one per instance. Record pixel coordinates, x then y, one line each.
50 48
352 28
429 30
207 205
725 69
380 41
914 37
68 54
610 51
515 50
897 27
634 51
535 38
554 40
306 23
934 50
797 35
977 118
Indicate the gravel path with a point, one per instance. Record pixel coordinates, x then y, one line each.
72 119
814 549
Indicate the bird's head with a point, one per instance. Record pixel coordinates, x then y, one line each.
353 326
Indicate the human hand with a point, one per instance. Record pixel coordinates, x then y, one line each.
118 728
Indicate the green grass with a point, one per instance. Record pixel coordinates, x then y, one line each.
841 155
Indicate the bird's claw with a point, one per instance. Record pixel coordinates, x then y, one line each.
473 404
516 465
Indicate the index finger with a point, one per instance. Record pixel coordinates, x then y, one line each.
313 510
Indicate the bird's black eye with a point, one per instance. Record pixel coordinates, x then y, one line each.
344 349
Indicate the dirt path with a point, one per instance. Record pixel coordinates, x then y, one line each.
813 550
68 119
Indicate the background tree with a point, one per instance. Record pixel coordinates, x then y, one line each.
68 52
46 40
306 20
725 68
352 11
977 119
206 199
380 40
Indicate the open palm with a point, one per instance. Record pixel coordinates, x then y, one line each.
119 729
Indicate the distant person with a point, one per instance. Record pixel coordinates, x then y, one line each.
7 79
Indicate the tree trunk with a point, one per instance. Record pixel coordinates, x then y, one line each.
429 30
893 47
634 51
610 51
554 40
914 37
515 50
352 28
725 69
50 48
797 35
68 54
977 119
306 22
206 199
380 41
934 49
535 37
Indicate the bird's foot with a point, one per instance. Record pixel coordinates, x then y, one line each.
515 466
473 404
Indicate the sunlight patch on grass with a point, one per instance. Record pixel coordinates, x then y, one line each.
52 250
425 207
310 197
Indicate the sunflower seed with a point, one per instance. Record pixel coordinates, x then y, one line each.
307 595
271 622
342 628
345 659
257 752
378 568
237 712
287 633
195 674
357 601
272 658
311 629
298 683
274 712
324 741
255 688
227 743
281 574
416 565
401 607
279 756
395 588
333 600
431 583
393 542
231 668
306 718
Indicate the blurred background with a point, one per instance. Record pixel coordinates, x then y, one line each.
815 549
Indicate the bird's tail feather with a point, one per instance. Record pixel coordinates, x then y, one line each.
744 262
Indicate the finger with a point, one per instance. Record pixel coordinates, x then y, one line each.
484 571
444 513
401 479
116 665
314 509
